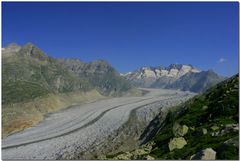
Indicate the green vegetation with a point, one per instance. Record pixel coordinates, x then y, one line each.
217 107
30 79
109 82
18 91
227 152
30 64
111 156
27 77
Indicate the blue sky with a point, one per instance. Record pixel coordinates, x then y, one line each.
129 35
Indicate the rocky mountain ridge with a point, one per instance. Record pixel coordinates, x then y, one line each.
29 63
175 76
30 78
173 70
99 73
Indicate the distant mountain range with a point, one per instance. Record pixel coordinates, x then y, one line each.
175 76
28 73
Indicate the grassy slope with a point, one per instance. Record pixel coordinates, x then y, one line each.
33 87
34 84
109 84
100 74
222 102
21 115
25 78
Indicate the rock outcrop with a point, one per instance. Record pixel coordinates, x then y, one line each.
204 131
148 157
177 143
179 130
206 154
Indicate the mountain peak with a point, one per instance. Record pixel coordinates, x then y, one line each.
13 45
30 49
11 48
179 76
179 66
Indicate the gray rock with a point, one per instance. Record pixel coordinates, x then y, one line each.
204 131
214 128
179 130
177 143
216 133
204 107
231 127
206 154
148 157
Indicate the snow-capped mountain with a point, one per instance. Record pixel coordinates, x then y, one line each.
173 76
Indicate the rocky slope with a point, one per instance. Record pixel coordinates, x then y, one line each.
29 73
175 76
29 76
30 68
205 127
99 73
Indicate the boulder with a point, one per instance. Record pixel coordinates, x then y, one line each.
179 130
214 128
231 127
216 133
177 143
204 131
148 157
204 107
206 154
